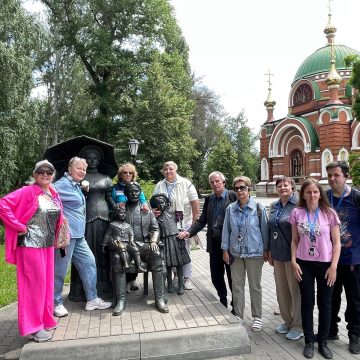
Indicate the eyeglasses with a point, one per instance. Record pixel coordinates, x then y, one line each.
47 172
128 173
240 188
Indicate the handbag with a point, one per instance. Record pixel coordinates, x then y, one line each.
63 237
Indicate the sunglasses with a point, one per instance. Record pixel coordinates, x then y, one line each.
47 172
240 188
128 173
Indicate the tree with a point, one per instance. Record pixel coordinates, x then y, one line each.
161 118
354 61
243 141
20 41
223 158
206 126
116 42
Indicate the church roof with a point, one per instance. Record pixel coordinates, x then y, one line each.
319 61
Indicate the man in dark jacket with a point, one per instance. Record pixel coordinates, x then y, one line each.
346 201
213 216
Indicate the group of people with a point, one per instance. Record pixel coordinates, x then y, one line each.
83 198
306 236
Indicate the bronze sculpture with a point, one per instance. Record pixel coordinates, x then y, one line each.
146 238
176 254
98 203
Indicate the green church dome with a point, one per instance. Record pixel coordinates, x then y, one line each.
319 61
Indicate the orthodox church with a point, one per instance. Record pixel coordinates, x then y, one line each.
319 127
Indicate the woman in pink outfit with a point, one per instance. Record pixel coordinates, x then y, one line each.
32 216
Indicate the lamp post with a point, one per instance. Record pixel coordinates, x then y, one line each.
133 148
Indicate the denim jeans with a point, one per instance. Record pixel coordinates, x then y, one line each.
80 254
312 270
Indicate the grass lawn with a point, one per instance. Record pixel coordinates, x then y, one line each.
8 292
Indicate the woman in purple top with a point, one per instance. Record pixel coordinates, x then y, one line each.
315 251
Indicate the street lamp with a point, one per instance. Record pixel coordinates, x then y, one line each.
133 148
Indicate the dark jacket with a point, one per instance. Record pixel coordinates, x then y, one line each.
280 246
213 236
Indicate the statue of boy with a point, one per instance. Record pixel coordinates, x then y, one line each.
146 239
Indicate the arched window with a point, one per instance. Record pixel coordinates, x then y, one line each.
296 163
303 94
326 158
264 169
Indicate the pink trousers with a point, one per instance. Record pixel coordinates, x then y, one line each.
35 279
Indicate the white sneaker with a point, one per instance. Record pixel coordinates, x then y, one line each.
97 304
40 336
188 285
60 311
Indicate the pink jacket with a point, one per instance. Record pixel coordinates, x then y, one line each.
16 209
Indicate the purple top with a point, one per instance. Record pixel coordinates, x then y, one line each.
322 246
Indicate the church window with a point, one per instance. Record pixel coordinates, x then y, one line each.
303 94
296 164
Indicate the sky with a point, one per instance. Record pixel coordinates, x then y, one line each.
233 43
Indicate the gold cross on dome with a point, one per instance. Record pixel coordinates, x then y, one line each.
269 80
329 6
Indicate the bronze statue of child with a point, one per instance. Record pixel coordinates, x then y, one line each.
120 238
176 254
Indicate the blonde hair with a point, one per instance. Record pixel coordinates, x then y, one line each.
123 167
244 179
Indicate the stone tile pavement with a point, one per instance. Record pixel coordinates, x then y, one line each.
197 308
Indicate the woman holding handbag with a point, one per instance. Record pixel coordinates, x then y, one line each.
33 216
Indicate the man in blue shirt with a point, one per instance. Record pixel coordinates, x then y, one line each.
345 201
78 251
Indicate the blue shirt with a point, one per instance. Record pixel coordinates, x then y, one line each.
243 235
74 204
349 216
117 193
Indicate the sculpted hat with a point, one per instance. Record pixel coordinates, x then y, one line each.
43 163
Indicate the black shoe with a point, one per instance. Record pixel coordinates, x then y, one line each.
309 350
333 337
325 351
330 337
354 345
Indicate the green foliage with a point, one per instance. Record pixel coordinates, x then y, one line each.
206 125
21 38
243 141
148 188
354 161
223 158
8 288
161 118
354 61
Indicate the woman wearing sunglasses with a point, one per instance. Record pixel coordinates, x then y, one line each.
315 251
126 174
32 216
243 238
